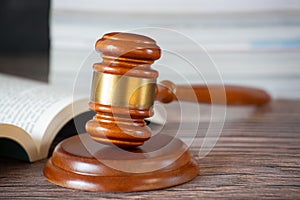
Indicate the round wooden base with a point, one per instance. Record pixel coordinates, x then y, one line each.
81 163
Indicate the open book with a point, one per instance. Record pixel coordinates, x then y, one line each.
31 115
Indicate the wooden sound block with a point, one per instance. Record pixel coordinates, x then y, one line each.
81 163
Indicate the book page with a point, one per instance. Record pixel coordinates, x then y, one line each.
23 101
32 106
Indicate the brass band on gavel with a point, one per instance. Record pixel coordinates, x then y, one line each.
123 91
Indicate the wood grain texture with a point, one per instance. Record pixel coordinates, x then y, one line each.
256 157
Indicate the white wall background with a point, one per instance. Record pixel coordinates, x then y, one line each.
252 42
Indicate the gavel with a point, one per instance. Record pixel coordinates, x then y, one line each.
124 89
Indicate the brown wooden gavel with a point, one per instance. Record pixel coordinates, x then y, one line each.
124 88
123 92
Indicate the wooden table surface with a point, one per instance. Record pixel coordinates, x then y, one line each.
256 157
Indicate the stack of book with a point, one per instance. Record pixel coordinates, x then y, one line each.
253 43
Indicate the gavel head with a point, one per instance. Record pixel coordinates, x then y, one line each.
123 89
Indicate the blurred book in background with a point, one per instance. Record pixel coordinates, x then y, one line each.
253 43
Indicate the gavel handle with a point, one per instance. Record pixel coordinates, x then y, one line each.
166 92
